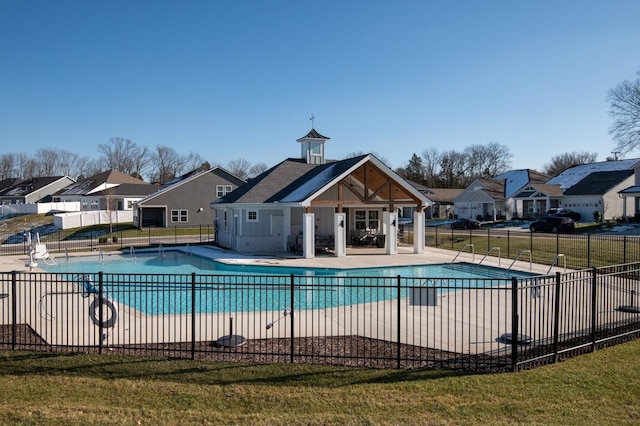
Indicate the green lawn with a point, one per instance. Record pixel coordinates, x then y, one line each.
46 388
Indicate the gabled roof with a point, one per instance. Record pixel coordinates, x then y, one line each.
575 174
28 186
442 195
517 179
8 183
264 186
539 190
89 185
296 182
129 189
482 189
598 183
188 177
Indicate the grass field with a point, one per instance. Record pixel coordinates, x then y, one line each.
46 388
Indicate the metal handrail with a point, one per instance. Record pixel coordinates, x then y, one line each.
518 257
555 262
487 254
473 252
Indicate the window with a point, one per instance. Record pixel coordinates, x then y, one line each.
252 216
222 190
361 219
94 205
129 204
179 215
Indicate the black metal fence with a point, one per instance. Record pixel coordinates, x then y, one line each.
496 323
61 241
577 251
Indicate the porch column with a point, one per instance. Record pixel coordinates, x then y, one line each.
390 221
418 232
548 206
308 236
624 207
340 234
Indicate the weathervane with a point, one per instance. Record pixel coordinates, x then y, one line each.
312 119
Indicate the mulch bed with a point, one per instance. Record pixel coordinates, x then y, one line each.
351 351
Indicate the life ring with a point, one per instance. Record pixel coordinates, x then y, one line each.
94 312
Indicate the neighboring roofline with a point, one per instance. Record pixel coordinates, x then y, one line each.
167 188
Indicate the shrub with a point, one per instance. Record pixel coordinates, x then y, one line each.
597 216
114 239
102 240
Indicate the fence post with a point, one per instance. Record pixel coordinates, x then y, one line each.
594 300
398 320
121 239
293 311
100 313
556 319
14 315
508 244
193 316
588 250
175 234
435 243
624 249
149 233
514 324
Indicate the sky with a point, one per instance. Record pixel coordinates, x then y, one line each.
240 79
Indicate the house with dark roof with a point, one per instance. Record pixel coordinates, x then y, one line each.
599 192
184 201
109 190
307 203
34 190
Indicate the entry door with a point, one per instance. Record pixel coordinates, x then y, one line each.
277 231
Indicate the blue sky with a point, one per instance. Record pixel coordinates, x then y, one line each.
240 79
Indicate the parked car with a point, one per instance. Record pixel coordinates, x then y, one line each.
575 216
553 224
465 224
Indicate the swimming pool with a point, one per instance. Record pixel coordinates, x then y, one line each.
176 283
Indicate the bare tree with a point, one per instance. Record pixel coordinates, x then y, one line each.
7 166
257 169
625 111
166 164
240 168
26 166
562 162
431 161
454 167
125 156
487 161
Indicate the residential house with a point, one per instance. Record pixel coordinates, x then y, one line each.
184 201
34 190
484 199
307 203
102 192
601 186
441 202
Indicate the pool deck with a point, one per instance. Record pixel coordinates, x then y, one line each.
440 326
356 258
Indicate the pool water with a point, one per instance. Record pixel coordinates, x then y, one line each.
174 262
162 283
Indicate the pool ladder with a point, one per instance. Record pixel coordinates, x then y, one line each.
462 249
555 262
518 257
487 254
